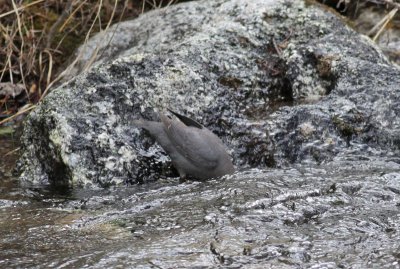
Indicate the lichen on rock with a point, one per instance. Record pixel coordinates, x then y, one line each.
280 82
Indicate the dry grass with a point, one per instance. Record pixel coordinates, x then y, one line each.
38 37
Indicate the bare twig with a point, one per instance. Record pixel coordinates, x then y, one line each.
71 15
144 3
170 3
387 19
21 62
22 111
93 57
109 23
390 3
60 19
30 54
88 64
9 50
12 151
20 8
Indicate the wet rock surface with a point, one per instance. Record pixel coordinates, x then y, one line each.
341 215
280 82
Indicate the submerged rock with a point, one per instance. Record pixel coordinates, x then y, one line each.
278 81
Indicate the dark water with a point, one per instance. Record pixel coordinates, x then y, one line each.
343 214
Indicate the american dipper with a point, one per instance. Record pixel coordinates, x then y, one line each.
194 150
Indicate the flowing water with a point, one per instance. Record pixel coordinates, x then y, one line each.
343 214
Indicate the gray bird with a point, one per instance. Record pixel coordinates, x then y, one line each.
194 150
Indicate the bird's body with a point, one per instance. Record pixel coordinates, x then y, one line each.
194 150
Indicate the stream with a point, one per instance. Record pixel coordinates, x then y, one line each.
342 214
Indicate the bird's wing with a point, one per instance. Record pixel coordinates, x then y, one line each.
195 144
187 121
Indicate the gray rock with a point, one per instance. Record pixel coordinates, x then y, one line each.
278 81
194 150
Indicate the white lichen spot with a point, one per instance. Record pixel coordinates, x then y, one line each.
117 181
103 107
73 160
127 154
137 57
105 141
329 141
91 90
79 176
306 129
110 163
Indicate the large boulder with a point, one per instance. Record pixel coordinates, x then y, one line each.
280 82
